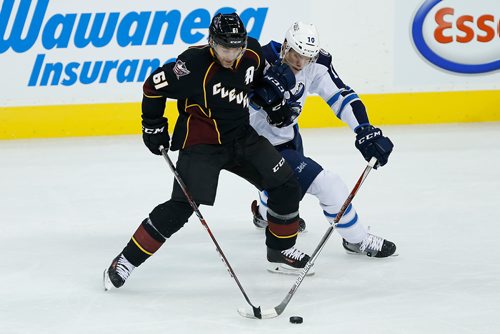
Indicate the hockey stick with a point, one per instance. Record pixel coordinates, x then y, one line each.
276 311
256 313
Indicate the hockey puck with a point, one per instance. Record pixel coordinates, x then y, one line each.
296 320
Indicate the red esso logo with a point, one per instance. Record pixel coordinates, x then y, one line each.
459 36
483 28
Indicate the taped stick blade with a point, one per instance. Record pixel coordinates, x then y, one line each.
265 314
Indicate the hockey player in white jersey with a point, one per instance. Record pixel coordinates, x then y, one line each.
314 74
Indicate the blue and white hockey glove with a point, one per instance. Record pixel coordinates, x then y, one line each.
372 143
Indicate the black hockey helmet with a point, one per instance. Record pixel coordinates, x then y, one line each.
228 30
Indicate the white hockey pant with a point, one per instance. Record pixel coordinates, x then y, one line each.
331 192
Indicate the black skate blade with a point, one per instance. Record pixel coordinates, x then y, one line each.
362 254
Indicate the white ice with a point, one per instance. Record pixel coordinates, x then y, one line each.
68 206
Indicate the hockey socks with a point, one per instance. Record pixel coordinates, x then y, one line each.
144 243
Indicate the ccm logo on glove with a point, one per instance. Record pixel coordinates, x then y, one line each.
153 131
155 134
372 143
370 136
275 82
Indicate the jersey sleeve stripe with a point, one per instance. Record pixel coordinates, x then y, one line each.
348 99
153 96
334 98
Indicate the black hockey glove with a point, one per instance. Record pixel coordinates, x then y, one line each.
371 143
278 79
155 133
283 113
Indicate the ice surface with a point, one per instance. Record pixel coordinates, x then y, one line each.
68 206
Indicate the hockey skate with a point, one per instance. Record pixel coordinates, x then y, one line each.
290 261
371 246
117 273
260 222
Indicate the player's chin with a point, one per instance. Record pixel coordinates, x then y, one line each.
227 64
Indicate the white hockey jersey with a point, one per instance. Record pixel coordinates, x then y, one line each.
317 78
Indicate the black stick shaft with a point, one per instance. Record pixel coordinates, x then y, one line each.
182 185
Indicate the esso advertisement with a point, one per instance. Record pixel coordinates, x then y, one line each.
459 36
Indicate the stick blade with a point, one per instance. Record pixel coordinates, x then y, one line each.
269 314
246 313
265 314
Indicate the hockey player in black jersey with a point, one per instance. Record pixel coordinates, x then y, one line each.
211 84
314 73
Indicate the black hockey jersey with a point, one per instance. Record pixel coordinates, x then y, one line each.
212 100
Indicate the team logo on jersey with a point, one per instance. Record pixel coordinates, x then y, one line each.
180 69
231 95
297 92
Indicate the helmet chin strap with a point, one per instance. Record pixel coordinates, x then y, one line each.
213 44
284 49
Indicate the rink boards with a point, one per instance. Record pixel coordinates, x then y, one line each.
124 118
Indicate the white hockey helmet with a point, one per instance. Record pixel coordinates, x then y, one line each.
302 38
